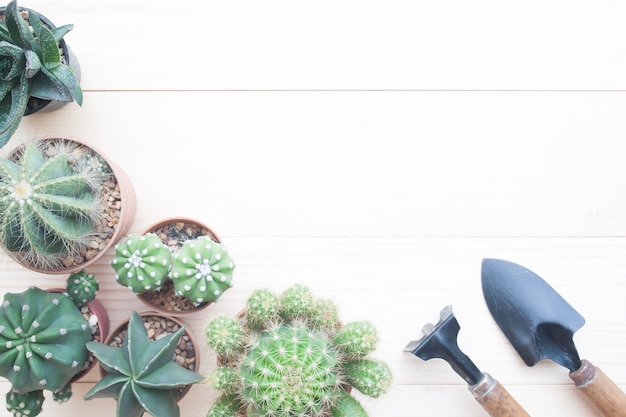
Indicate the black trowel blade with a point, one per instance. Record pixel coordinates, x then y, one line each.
538 322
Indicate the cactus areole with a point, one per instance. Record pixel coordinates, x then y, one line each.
42 346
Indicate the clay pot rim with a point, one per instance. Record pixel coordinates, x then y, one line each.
127 210
124 324
163 222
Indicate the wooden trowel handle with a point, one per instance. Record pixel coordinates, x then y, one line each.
608 399
495 399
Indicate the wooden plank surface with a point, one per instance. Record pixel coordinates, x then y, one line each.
376 152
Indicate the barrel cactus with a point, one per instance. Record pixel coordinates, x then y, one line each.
141 374
42 347
142 262
48 206
202 270
292 360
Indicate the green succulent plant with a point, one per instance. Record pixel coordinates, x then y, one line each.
42 347
202 270
82 287
141 374
295 362
48 207
31 65
142 262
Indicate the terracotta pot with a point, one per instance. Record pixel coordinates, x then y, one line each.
68 57
165 300
114 231
96 308
146 315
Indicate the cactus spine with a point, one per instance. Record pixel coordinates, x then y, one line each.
294 359
202 270
48 207
42 346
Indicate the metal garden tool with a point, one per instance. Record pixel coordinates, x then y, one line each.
440 341
540 324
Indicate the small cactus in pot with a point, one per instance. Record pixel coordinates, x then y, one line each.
31 65
42 347
283 357
141 374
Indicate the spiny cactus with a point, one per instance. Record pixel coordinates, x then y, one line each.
202 270
297 361
82 287
48 207
142 262
31 65
141 373
42 346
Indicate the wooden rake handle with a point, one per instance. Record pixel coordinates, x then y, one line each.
495 399
608 399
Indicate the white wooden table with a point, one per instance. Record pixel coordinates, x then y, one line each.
375 151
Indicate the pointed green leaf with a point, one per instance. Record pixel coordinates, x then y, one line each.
49 46
66 76
169 375
158 403
17 27
108 387
128 404
12 109
60 31
158 353
110 356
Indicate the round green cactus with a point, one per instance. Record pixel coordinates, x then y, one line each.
22 405
63 395
82 287
142 262
225 336
42 343
202 270
48 207
296 361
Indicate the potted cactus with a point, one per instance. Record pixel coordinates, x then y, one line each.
288 355
140 373
36 68
197 271
62 205
43 337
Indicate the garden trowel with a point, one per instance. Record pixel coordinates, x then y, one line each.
540 324
440 341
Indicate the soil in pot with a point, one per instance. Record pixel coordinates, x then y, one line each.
174 233
186 353
118 210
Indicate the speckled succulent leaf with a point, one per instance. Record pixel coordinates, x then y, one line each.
18 28
296 302
142 373
225 336
12 107
262 307
202 270
356 339
22 405
141 262
227 405
347 406
42 342
82 287
48 209
371 377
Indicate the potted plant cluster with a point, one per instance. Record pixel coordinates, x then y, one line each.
43 338
289 355
35 67
140 373
62 205
198 270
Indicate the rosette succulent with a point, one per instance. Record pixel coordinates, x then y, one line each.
288 356
202 270
141 374
31 65
48 207
42 347
142 262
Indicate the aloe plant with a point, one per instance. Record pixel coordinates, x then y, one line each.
48 207
31 65
202 270
42 347
287 355
141 374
